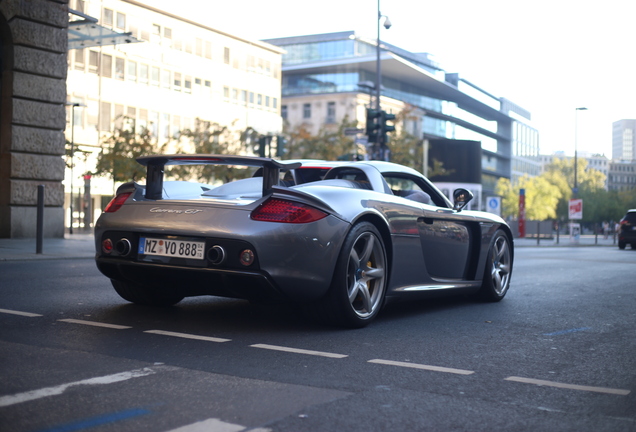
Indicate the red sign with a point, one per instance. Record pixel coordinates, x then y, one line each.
576 209
522 213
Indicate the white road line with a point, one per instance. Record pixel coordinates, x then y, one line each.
569 386
26 314
187 336
57 390
299 351
215 425
421 366
94 324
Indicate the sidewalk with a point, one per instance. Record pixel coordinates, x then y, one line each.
82 245
77 245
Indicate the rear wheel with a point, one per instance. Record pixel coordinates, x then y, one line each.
498 269
621 244
144 295
358 288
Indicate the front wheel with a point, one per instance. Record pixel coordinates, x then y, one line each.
145 296
358 287
498 269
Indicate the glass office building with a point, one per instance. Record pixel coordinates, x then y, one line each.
334 69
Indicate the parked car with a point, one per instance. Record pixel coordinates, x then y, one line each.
339 245
627 230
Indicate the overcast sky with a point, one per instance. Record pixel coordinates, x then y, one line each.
548 56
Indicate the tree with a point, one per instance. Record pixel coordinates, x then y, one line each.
117 159
330 143
541 197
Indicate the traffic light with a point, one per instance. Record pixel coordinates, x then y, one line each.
384 127
373 124
262 144
281 141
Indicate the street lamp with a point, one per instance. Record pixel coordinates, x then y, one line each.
73 105
576 138
378 84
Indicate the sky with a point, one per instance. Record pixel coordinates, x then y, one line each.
547 56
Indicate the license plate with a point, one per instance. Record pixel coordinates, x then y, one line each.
171 248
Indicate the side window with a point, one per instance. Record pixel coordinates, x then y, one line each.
408 187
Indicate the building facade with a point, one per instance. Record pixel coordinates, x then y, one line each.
329 76
179 72
622 175
624 140
33 48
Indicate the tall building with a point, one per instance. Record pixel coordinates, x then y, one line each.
329 76
624 140
182 70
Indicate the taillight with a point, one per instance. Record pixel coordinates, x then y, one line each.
116 203
283 211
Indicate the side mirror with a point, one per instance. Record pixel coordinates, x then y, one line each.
461 197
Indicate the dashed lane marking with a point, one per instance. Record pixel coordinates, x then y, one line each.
299 351
94 324
215 425
187 336
569 386
26 314
422 366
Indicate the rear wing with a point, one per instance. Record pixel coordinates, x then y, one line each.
155 168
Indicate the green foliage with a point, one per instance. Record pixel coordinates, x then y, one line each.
330 144
117 160
541 198
208 138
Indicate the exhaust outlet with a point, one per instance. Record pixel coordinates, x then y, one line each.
216 255
123 247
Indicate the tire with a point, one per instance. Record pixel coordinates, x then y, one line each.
358 288
498 269
621 244
142 295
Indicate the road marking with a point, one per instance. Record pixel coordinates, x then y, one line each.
215 425
569 386
299 351
57 390
422 366
561 332
187 336
99 420
26 314
94 324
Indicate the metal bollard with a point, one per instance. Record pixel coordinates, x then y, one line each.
40 221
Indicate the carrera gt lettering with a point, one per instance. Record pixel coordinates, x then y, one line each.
175 211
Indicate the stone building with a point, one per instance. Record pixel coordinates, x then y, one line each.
33 60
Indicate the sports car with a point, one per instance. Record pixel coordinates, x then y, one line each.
338 238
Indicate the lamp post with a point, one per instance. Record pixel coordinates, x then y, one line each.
378 79
576 138
73 105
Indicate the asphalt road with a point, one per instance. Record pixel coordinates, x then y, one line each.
558 353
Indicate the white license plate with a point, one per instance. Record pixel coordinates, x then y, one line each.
171 248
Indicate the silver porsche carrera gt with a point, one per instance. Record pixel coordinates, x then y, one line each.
338 237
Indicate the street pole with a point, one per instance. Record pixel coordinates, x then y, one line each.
576 139
379 144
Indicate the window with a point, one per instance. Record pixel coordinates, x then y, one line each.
93 61
107 66
154 76
165 79
275 103
226 93
105 117
165 126
187 84
234 95
226 55
131 118
306 111
259 100
119 116
177 81
267 101
107 17
331 112
199 47
208 50
197 86
143 73
80 59
119 68
251 97
167 33
121 21
244 97
132 70
283 112
208 87
188 46
92 111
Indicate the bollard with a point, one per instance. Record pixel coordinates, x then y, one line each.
538 231
40 220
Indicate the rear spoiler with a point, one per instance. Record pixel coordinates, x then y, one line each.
155 167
